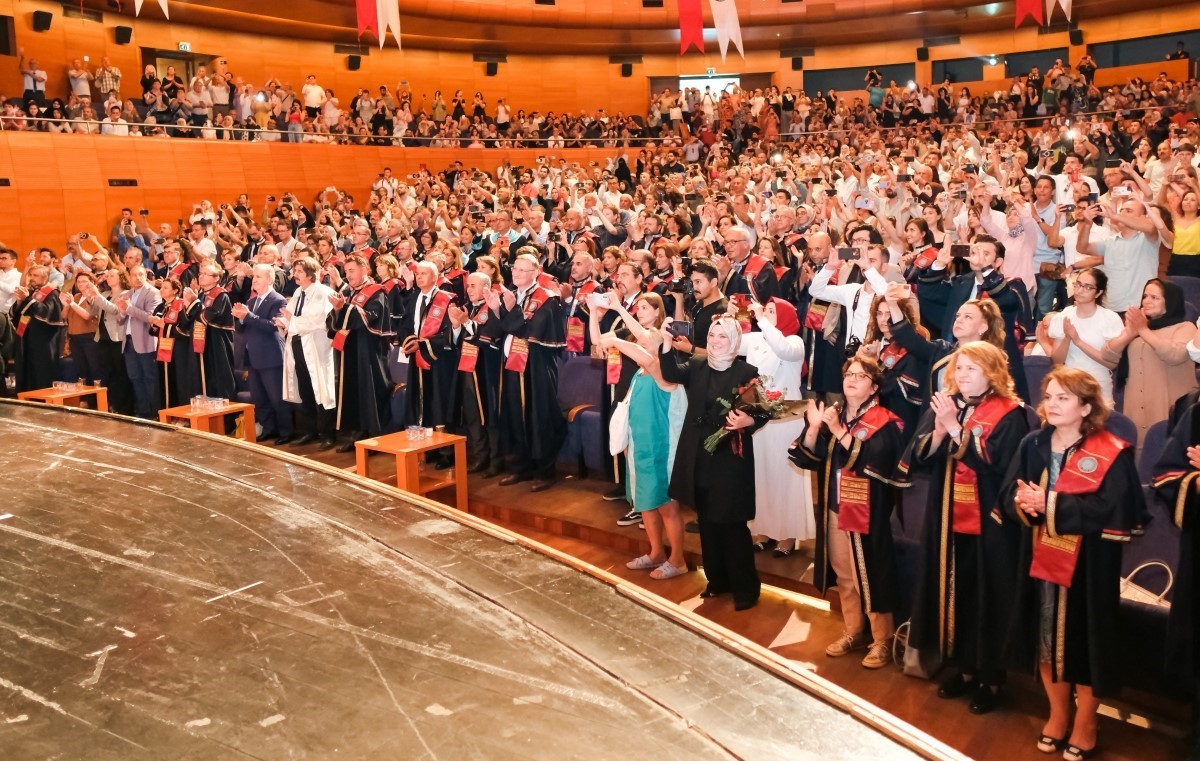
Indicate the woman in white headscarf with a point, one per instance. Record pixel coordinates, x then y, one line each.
718 484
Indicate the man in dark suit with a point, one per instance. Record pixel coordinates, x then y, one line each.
264 350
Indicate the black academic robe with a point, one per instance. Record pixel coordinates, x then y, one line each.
396 296
216 362
720 486
177 378
933 354
1176 483
963 599
238 288
766 283
37 350
363 385
431 397
904 376
1085 646
874 459
530 399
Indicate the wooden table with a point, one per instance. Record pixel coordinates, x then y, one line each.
212 421
68 397
410 455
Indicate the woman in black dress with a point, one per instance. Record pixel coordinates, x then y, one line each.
719 485
1074 489
965 441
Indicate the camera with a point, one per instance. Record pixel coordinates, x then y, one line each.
144 212
852 346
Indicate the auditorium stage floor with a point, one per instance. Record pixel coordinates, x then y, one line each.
168 595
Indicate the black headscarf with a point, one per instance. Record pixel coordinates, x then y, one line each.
1173 298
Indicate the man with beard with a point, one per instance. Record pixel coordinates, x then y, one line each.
531 319
360 339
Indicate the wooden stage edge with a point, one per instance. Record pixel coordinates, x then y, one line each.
868 713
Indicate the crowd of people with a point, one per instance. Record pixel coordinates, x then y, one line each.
859 303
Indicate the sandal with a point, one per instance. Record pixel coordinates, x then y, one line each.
1075 753
1048 744
667 571
782 551
764 545
644 563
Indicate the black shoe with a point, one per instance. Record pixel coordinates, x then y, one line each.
692 527
629 519
268 435
513 478
478 467
307 438
954 686
615 494
744 604
443 463
985 699
763 546
493 471
329 443
543 484
711 592
286 438
347 447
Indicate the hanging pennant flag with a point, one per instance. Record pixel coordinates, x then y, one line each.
367 17
691 26
729 29
1064 4
1029 8
389 19
137 7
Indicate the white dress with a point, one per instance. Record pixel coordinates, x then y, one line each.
783 492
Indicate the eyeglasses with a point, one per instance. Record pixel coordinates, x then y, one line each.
1085 287
856 376
523 269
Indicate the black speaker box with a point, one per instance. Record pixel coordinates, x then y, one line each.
627 70
1076 36
798 63
41 21
922 53
492 68
124 34
353 62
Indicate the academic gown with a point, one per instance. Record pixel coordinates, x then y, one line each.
432 393
874 459
363 385
765 288
1085 644
178 378
216 363
396 296
720 486
904 376
1175 481
37 350
932 353
963 599
530 399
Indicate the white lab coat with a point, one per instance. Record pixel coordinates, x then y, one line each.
318 348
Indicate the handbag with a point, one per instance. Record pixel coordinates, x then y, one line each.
923 664
618 424
1049 271
1136 593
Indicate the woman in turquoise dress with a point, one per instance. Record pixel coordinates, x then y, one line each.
656 410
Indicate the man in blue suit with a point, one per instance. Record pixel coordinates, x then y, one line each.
264 350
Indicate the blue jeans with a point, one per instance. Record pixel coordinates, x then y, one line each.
1046 291
143 374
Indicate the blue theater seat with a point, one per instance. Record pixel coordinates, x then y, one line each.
580 385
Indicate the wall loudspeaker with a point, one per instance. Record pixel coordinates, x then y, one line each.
492 68
798 63
922 53
1076 36
627 70
124 34
353 62
41 21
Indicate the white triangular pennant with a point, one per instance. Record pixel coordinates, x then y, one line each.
137 7
1066 6
389 19
729 29
792 632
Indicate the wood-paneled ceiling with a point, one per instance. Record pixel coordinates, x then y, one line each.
615 26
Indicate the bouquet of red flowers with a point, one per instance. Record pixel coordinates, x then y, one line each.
756 401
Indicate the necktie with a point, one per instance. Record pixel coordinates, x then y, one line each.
300 304
257 302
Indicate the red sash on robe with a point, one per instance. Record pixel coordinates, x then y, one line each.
575 327
854 492
38 296
389 285
432 324
1055 556
754 265
518 352
469 356
166 344
200 333
814 318
965 497
891 355
546 280
177 271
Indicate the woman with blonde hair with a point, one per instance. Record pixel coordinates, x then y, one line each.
962 601
1073 490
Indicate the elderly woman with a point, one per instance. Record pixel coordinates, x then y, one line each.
783 513
1155 342
1074 489
718 484
854 449
964 440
